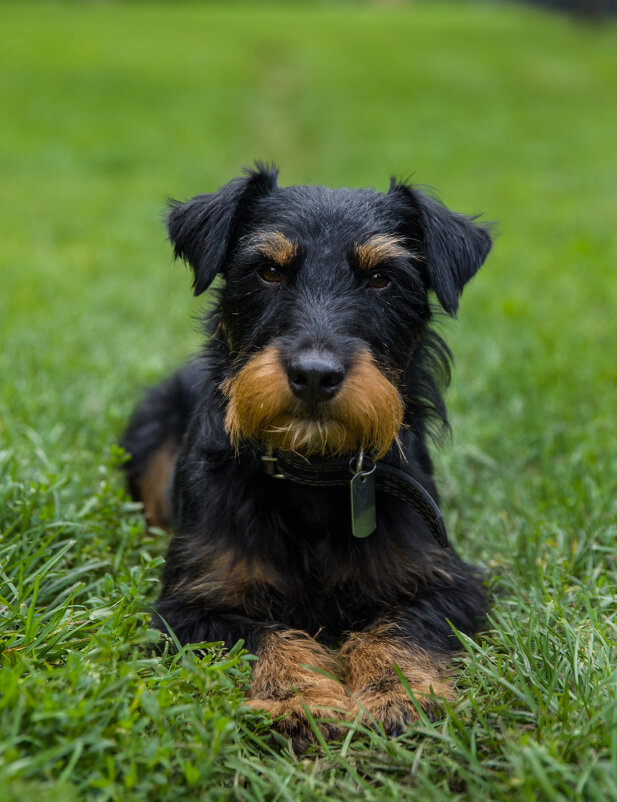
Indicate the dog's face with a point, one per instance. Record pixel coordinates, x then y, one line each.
325 300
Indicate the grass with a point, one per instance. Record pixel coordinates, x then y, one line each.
108 109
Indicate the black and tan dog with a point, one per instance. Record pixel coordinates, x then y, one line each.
303 504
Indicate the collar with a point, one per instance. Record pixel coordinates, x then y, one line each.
363 476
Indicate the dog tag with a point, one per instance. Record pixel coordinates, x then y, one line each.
363 518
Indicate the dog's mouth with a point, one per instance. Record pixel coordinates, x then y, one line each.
366 411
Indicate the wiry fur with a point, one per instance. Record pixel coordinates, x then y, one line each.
367 413
274 563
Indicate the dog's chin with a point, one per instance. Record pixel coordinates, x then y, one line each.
327 430
310 436
317 436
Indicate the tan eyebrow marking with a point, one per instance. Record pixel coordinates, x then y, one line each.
378 249
275 247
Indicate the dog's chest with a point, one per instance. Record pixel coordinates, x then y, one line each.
331 584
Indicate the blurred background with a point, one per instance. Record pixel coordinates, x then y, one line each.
506 110
107 109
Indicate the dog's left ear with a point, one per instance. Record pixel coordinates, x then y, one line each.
203 228
453 246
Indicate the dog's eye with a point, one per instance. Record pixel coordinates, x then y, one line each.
377 281
270 274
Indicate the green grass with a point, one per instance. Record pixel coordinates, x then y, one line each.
108 109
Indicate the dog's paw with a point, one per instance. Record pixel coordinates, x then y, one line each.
294 674
393 708
289 718
371 657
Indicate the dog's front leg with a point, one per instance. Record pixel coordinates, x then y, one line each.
369 658
294 673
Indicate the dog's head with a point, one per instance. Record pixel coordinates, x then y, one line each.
325 301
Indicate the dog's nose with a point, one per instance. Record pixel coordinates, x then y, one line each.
315 376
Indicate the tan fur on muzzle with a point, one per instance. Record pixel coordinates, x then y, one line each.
367 411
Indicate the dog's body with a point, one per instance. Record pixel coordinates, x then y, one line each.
319 347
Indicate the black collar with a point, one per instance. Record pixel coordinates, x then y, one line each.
363 476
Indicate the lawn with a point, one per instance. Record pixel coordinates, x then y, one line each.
108 109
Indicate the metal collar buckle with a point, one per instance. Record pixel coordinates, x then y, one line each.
270 464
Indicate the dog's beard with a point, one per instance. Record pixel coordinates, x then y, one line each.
366 413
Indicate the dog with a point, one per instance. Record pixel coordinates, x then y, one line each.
291 456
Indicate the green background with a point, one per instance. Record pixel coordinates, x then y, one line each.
108 109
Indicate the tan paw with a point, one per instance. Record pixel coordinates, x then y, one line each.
291 721
293 672
374 660
393 708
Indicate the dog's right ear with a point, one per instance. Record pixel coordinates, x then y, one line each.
202 229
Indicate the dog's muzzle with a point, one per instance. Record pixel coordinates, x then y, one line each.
308 403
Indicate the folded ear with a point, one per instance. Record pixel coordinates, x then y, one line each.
453 245
203 228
